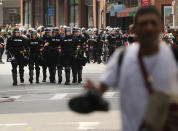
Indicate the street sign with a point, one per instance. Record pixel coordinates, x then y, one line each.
145 2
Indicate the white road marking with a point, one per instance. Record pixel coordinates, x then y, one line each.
58 96
109 94
20 124
27 89
87 125
15 97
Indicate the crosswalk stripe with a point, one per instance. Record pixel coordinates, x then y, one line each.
58 96
15 97
108 94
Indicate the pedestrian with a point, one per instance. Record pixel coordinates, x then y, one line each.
125 72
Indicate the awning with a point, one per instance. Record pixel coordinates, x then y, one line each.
115 9
124 12
133 11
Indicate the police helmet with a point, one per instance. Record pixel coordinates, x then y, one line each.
34 32
67 29
83 29
23 31
16 30
2 31
95 30
75 29
47 30
55 30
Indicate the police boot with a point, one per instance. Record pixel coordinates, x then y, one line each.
14 76
80 76
37 76
31 76
67 73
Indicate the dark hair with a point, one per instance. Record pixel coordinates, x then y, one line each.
146 10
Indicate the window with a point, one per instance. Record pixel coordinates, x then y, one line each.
73 13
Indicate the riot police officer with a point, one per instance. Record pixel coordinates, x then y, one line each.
97 46
78 44
53 53
85 38
34 44
45 39
68 50
112 41
17 47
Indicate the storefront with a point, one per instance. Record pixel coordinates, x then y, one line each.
125 18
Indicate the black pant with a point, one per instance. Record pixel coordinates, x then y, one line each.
33 62
15 64
97 54
1 53
77 73
44 71
67 73
59 68
52 72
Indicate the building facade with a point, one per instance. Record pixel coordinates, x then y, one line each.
176 14
10 12
120 13
81 13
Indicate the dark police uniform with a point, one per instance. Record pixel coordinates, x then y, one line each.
17 46
34 44
45 38
68 50
112 43
53 56
97 48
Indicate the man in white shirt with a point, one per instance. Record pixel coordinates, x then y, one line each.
159 61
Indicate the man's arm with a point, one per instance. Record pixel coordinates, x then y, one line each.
101 87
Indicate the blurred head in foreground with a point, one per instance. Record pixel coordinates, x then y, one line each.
147 26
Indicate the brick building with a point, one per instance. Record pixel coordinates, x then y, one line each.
176 14
125 16
81 13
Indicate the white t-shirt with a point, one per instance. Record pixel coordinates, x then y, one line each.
134 96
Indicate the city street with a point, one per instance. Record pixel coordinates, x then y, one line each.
44 107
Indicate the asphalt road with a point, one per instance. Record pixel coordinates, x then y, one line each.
44 107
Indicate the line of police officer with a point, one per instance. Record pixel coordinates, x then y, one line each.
56 50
